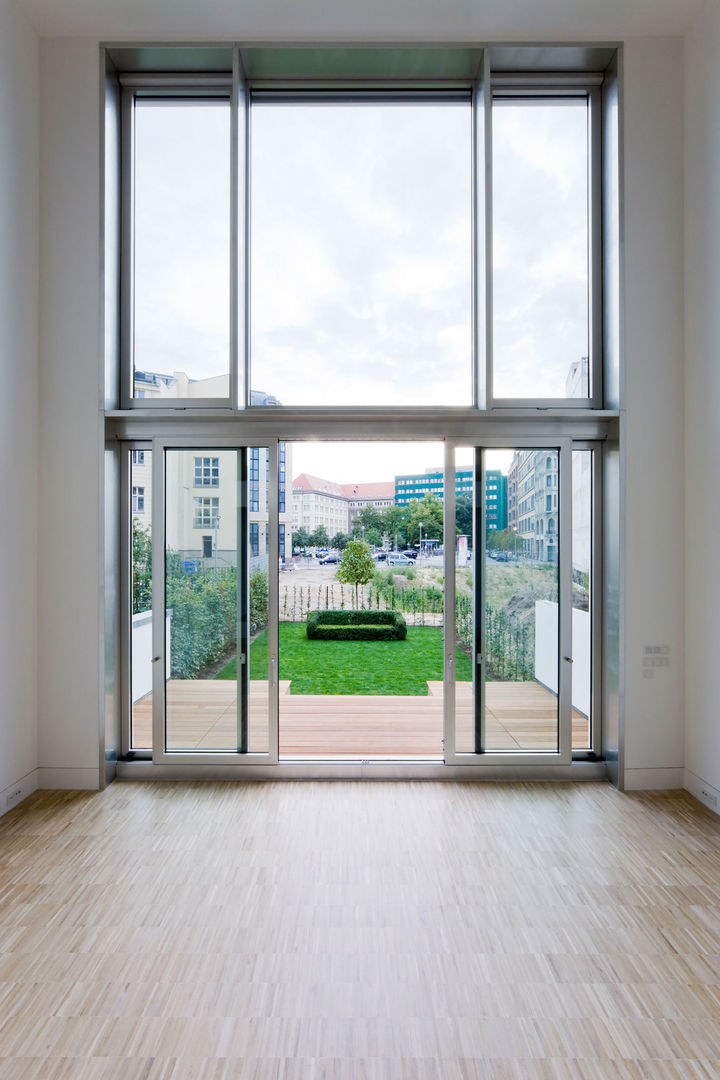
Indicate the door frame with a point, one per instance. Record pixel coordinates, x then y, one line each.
563 755
160 755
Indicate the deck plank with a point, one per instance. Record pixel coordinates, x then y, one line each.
202 716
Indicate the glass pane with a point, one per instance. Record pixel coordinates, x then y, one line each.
182 249
214 607
465 650
361 244
141 591
507 604
540 249
582 520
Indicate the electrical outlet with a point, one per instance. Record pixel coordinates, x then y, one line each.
13 798
708 798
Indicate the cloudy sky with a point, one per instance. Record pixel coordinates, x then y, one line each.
360 239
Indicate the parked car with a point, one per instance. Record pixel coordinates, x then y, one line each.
380 556
396 558
410 554
329 559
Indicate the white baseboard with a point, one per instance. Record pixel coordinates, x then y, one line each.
705 793
14 794
654 779
70 779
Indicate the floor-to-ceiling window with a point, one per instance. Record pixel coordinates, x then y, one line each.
389 246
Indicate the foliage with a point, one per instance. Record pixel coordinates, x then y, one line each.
503 540
141 567
357 566
319 538
340 541
355 667
204 616
356 626
258 601
429 511
300 538
368 518
394 523
464 514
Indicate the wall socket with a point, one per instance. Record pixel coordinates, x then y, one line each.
13 798
708 798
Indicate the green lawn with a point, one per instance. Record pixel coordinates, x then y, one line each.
354 667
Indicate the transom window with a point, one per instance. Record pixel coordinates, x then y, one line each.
397 246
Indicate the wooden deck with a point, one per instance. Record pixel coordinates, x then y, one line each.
201 715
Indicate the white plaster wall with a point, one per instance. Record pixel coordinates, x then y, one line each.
69 556
702 396
18 400
546 652
70 537
653 408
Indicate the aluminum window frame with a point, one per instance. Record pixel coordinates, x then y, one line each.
171 89
215 422
160 755
571 86
508 758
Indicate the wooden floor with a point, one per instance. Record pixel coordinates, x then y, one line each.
359 931
202 715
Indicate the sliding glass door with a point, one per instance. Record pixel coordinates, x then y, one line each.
509 573
214 544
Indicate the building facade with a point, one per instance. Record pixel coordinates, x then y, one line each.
537 503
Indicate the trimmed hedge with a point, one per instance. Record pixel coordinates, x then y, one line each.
356 626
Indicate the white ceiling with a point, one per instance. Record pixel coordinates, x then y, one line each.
367 20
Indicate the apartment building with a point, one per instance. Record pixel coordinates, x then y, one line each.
318 502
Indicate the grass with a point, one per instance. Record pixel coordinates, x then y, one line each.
355 667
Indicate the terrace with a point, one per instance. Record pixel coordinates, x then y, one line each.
202 716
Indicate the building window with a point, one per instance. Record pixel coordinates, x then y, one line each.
138 500
254 479
254 538
207 472
138 457
206 513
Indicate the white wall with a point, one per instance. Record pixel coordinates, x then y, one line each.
653 422
70 431
18 400
546 652
702 400
69 557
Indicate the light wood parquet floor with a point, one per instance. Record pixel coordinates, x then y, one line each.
354 931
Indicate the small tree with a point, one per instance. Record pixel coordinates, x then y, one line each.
357 566
340 541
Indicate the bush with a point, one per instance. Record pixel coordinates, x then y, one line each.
204 616
356 626
258 601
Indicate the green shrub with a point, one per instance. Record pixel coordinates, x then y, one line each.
356 626
258 601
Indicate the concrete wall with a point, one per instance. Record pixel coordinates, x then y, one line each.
652 425
71 709
18 403
702 403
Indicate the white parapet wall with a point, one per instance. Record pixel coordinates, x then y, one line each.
546 652
141 652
